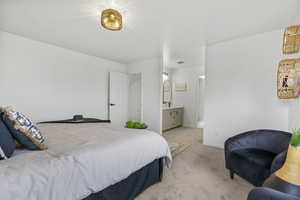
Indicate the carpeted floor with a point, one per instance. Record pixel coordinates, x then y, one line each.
198 173
180 139
184 135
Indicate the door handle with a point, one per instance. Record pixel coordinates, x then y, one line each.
112 104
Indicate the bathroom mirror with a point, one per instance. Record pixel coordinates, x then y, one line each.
288 79
167 92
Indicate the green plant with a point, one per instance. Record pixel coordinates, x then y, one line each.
295 140
137 125
129 124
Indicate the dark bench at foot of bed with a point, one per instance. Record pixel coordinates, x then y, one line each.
132 186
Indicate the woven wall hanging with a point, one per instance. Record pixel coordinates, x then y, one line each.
288 79
291 40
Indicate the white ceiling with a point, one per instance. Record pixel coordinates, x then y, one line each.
179 28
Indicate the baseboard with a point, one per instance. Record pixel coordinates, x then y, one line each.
190 126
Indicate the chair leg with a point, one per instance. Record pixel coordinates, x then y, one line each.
231 174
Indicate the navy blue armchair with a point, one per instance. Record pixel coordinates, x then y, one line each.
269 194
255 155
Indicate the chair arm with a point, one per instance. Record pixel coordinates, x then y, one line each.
269 194
278 161
272 140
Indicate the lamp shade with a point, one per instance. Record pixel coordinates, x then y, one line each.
287 179
290 172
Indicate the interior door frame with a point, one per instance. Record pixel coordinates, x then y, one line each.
108 96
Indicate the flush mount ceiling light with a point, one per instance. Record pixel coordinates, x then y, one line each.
111 19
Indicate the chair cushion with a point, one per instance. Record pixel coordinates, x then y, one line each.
257 156
252 164
7 143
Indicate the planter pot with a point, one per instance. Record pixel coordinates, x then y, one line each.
144 127
287 179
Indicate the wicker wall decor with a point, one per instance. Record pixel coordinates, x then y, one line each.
291 41
288 79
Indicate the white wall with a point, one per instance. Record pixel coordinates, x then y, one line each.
294 106
241 87
47 82
151 70
294 110
190 99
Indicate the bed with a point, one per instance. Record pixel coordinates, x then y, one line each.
86 161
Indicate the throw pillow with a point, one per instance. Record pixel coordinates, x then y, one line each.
23 130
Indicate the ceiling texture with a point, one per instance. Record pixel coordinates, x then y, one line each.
177 28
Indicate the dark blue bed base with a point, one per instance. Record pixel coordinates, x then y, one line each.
132 186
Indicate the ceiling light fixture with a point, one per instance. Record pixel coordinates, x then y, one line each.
165 76
111 19
202 76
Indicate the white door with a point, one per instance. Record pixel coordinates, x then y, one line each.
135 97
118 98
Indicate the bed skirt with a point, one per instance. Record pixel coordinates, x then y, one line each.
132 186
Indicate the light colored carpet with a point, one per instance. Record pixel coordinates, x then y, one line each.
198 173
184 135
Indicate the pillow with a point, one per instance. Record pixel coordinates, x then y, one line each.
7 142
23 130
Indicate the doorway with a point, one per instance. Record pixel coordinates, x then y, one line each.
182 110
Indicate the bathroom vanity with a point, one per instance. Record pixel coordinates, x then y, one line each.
172 117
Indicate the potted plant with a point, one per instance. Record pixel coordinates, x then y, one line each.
136 125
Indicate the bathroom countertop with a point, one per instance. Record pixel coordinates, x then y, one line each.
172 107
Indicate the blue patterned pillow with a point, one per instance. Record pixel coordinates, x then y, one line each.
23 130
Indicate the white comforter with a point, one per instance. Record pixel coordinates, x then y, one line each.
81 159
